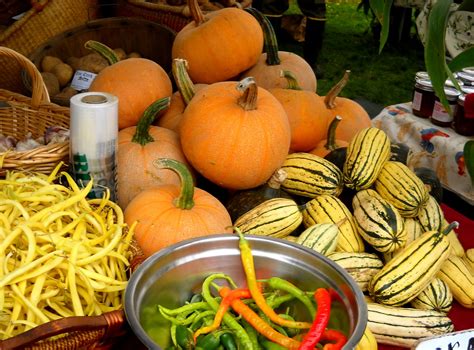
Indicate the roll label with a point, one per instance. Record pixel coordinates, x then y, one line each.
82 80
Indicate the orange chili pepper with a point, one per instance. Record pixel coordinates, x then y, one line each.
249 268
258 323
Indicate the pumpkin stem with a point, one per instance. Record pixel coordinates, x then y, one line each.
196 12
450 227
270 39
185 200
291 79
142 135
278 177
102 50
330 99
331 138
183 81
248 87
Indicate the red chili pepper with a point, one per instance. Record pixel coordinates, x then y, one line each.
337 337
323 300
259 324
239 293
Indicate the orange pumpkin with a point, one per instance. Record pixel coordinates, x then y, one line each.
219 45
306 113
169 214
137 82
329 143
180 99
266 71
138 147
354 116
236 138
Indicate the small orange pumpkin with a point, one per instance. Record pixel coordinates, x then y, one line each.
354 116
169 214
218 45
306 113
329 143
137 82
236 138
180 99
138 147
266 71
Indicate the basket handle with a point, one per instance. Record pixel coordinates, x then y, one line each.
110 322
39 93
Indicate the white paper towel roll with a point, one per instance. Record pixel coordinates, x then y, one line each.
93 141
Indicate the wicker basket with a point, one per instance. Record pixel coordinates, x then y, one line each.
130 34
20 115
45 19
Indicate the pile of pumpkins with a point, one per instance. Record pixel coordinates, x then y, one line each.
237 114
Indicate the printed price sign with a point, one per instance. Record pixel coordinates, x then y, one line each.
462 340
82 80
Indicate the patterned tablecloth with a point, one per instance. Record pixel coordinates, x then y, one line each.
440 149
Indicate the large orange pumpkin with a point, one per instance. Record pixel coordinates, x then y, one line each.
219 45
137 82
235 137
306 113
169 214
138 148
354 116
266 71
180 99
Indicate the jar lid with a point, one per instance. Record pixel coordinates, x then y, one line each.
468 70
425 84
422 75
451 93
467 89
467 77
449 83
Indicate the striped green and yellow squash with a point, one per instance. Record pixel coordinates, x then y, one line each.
408 273
326 208
276 217
459 276
367 152
361 266
399 185
413 230
437 296
431 215
368 341
378 221
403 326
309 175
320 237
469 257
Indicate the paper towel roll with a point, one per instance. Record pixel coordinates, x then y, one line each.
93 141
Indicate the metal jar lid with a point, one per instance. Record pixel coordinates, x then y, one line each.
422 75
468 70
466 77
451 93
424 84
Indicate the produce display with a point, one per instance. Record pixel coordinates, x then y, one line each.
244 144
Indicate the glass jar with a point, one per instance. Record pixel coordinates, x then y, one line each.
440 115
462 124
423 98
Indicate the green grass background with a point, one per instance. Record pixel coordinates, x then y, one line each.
386 78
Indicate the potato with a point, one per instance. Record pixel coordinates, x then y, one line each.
51 82
49 62
121 54
134 55
93 63
64 73
64 96
73 62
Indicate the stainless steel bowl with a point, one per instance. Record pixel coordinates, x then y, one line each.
172 275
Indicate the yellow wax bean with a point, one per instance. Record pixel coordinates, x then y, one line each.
30 306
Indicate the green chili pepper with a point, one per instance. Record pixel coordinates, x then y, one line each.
184 337
228 341
281 284
205 317
269 345
188 308
196 298
291 332
252 333
275 301
209 341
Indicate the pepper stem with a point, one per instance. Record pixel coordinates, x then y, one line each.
248 99
331 138
270 39
102 50
196 12
291 80
183 81
330 99
186 197
142 135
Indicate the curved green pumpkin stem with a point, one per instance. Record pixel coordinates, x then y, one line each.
450 227
196 12
186 196
331 138
102 50
291 80
270 39
248 87
185 85
330 99
142 135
